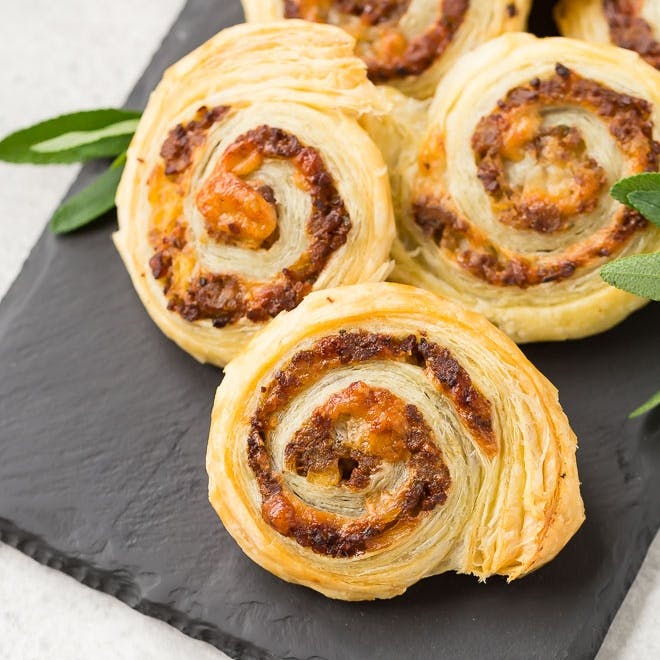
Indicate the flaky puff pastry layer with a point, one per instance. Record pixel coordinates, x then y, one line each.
379 434
633 24
249 183
409 44
501 185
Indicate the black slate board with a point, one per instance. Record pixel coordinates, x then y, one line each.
103 427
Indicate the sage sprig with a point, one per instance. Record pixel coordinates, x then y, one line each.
91 202
647 202
647 181
645 407
72 138
640 273
77 137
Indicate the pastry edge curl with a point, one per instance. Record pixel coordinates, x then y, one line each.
582 19
574 319
473 32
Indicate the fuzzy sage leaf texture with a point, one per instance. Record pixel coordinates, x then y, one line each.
638 274
70 138
647 181
91 202
647 202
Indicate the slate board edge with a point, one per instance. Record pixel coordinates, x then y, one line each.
120 585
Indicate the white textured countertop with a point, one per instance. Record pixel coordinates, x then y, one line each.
74 54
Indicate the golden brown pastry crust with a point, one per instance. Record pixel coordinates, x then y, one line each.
632 24
502 195
409 44
378 434
238 198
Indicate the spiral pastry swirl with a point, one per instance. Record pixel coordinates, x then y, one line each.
632 24
409 44
390 435
504 201
238 199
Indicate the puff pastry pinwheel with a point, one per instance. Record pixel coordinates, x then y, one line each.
633 24
503 201
387 435
249 183
409 44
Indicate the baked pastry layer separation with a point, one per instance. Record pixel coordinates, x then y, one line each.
632 24
379 434
503 202
249 183
409 44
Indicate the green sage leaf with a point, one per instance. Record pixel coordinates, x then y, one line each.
638 274
645 407
19 147
91 202
74 139
646 181
647 202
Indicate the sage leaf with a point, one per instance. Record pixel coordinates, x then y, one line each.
91 202
647 202
638 274
74 139
645 407
19 147
646 181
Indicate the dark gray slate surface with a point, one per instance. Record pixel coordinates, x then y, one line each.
103 427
